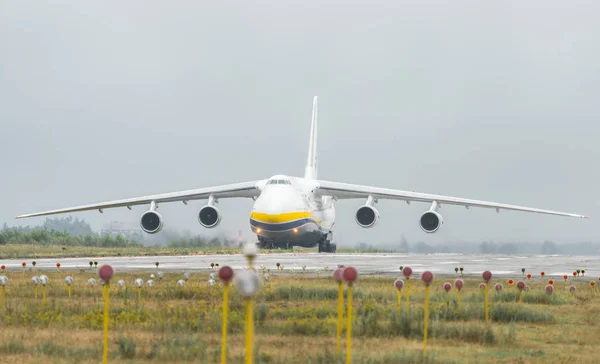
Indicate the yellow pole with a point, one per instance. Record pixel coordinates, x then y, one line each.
69 288
407 295
486 303
249 330
139 295
521 296
340 313
35 290
459 300
349 326
2 297
43 295
399 307
225 311
106 317
426 320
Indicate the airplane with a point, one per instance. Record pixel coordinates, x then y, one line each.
295 211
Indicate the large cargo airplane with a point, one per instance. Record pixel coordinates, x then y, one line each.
293 211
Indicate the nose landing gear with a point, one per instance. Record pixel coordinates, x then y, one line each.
326 246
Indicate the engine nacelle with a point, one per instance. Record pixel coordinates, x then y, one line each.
431 221
209 216
367 216
151 222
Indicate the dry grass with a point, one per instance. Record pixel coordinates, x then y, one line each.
295 322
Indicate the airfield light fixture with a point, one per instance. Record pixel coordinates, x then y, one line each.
106 273
212 265
427 278
551 281
69 282
528 276
575 275
181 283
482 286
407 272
565 277
225 275
23 265
338 276
592 283
3 283
542 274
91 264
160 275
461 270
456 270
33 263
121 283
578 271
91 282
510 282
549 289
401 267
523 271
447 287
583 272
247 283
498 287
96 263
3 268
58 266
572 289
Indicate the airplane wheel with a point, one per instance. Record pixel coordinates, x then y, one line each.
332 248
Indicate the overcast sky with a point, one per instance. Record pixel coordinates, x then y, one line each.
500 102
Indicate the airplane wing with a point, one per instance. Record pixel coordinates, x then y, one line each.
245 189
350 191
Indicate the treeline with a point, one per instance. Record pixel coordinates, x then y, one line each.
63 232
200 243
52 237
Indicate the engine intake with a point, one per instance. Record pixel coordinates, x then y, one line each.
209 216
151 222
431 221
367 216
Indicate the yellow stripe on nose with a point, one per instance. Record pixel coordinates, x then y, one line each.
282 218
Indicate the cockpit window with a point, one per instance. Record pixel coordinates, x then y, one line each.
279 182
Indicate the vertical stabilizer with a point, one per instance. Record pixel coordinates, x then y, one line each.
310 171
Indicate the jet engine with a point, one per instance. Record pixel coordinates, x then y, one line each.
367 216
209 216
431 221
151 222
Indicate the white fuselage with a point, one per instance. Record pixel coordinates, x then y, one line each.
288 213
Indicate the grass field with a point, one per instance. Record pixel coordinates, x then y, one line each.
30 251
295 322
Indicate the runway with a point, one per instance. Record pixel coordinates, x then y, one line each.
367 264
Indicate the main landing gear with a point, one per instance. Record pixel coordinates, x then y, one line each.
326 246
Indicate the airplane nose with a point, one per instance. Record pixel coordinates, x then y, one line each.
279 201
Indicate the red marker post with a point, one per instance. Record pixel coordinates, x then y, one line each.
58 267
106 273
338 275
399 284
427 278
459 283
225 275
487 277
350 275
549 289
407 272
521 287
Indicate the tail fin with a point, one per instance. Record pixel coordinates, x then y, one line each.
310 172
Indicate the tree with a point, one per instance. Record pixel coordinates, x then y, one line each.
549 248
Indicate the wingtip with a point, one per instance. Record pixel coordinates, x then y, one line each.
586 217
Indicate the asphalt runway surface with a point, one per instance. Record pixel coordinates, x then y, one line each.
366 264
